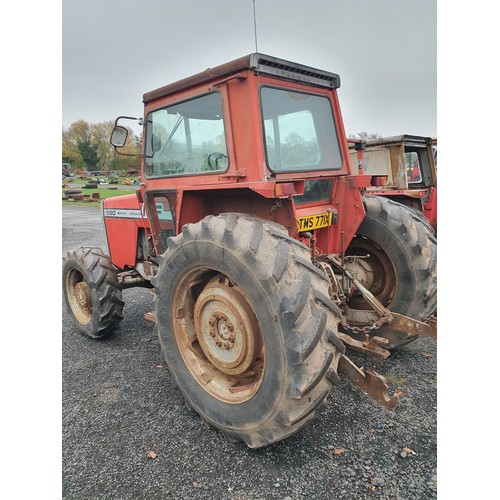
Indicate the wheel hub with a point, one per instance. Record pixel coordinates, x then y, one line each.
218 335
82 294
79 296
363 272
375 272
222 330
225 326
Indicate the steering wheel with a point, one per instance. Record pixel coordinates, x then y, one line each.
213 160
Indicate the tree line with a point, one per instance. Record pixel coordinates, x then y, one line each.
86 146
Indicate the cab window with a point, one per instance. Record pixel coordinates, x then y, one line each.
186 139
412 165
299 131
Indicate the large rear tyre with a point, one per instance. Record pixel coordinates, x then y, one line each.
402 254
421 216
91 290
246 327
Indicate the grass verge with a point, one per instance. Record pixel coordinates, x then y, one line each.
103 194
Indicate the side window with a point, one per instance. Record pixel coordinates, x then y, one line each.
186 138
412 165
160 207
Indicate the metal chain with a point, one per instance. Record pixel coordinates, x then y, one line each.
277 204
365 329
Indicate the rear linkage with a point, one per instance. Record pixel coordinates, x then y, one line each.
366 322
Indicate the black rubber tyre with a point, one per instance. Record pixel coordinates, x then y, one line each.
403 253
91 290
271 283
419 215
72 192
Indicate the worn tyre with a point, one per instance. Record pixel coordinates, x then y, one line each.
92 293
402 250
246 327
417 213
72 192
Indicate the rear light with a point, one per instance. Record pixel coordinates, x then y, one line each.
284 189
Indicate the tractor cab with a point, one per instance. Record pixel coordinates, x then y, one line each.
257 135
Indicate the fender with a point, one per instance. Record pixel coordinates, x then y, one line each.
123 216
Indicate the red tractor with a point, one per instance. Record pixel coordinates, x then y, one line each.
403 168
264 254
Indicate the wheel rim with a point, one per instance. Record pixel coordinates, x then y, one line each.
218 336
79 296
384 281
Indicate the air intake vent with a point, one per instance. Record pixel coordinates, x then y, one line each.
293 71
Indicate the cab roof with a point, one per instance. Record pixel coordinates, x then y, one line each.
261 64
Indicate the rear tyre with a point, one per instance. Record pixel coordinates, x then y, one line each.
402 251
246 327
419 215
91 290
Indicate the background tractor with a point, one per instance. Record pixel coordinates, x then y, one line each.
403 168
264 254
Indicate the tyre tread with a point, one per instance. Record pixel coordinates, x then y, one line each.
310 355
101 277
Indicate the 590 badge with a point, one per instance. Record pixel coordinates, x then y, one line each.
315 221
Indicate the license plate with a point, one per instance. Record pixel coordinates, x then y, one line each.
315 221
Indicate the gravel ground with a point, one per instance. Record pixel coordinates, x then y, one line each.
118 404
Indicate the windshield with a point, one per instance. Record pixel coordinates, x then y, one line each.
186 138
299 131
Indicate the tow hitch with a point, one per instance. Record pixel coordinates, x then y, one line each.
395 329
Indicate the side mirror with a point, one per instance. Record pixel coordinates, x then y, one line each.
119 136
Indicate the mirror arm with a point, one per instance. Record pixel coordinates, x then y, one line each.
123 117
139 120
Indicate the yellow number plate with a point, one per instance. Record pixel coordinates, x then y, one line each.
315 221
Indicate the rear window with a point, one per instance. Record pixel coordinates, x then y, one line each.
299 131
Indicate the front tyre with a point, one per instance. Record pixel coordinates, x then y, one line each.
91 290
246 327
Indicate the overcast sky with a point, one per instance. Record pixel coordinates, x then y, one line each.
114 51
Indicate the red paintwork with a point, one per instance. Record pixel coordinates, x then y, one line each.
410 193
430 207
122 232
248 186
359 155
